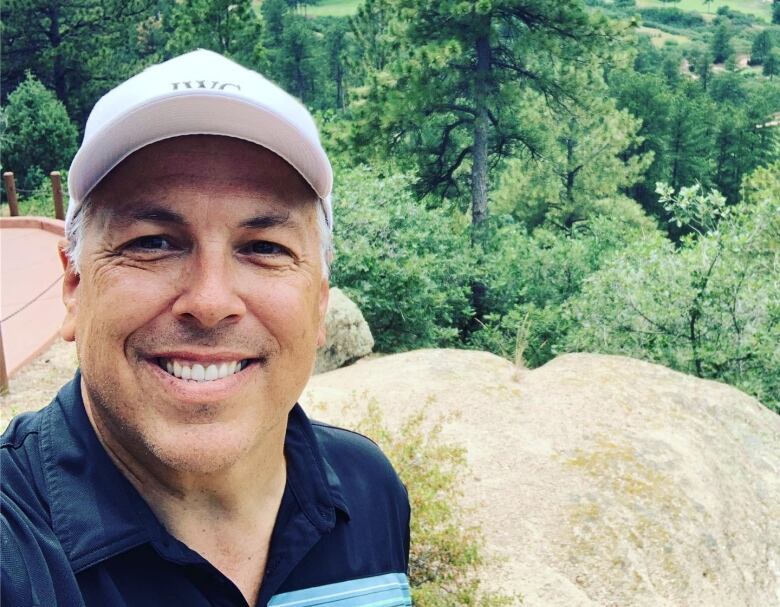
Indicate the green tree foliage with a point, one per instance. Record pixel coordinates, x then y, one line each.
447 97
689 137
78 48
299 56
776 11
762 46
531 276
729 88
772 64
336 42
677 126
228 27
407 267
580 171
721 42
38 137
273 13
297 62
375 42
703 67
709 307
740 145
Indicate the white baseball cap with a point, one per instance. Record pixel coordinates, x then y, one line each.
199 93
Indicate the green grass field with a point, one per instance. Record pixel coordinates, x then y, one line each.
334 8
762 8
659 37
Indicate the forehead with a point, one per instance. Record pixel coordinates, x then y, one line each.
203 169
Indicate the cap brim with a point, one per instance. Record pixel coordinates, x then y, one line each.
197 114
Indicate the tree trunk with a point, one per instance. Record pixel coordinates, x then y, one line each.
479 167
55 39
479 170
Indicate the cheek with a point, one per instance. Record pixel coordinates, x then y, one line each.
289 310
117 302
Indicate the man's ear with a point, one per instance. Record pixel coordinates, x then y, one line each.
323 310
70 283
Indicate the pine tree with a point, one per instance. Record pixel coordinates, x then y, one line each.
39 136
772 64
584 167
762 46
77 48
228 27
448 96
721 43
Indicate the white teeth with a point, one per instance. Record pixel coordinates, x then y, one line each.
199 372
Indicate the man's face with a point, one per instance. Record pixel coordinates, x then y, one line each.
202 255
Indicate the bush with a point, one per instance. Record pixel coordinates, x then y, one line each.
672 16
40 201
38 136
446 549
530 278
407 267
710 307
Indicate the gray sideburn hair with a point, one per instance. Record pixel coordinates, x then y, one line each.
76 223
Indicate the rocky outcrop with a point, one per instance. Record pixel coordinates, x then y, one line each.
597 480
348 335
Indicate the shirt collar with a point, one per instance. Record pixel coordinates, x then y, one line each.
96 513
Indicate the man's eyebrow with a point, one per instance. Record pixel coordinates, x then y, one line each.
149 213
268 220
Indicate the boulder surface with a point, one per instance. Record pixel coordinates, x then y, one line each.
348 336
597 480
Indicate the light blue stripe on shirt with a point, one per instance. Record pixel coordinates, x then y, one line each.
389 590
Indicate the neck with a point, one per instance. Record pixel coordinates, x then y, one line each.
226 515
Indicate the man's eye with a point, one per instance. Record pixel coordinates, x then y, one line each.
151 243
263 247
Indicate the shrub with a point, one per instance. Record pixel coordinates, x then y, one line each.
38 136
39 202
672 16
709 307
406 266
446 549
530 277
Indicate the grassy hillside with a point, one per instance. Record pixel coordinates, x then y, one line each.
334 8
762 8
659 37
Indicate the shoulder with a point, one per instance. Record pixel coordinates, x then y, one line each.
30 551
20 461
366 487
356 457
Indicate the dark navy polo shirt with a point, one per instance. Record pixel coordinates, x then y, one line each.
75 532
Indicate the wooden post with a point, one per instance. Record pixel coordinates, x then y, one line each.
10 190
56 192
3 370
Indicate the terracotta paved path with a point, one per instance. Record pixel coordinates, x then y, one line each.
31 309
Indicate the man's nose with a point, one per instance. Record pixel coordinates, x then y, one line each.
209 291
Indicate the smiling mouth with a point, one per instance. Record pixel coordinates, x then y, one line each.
199 372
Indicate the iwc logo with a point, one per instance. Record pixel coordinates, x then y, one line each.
203 84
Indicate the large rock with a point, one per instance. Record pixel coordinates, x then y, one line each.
348 335
597 480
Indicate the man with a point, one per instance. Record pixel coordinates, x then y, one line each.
176 468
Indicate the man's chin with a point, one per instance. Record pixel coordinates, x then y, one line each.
203 450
